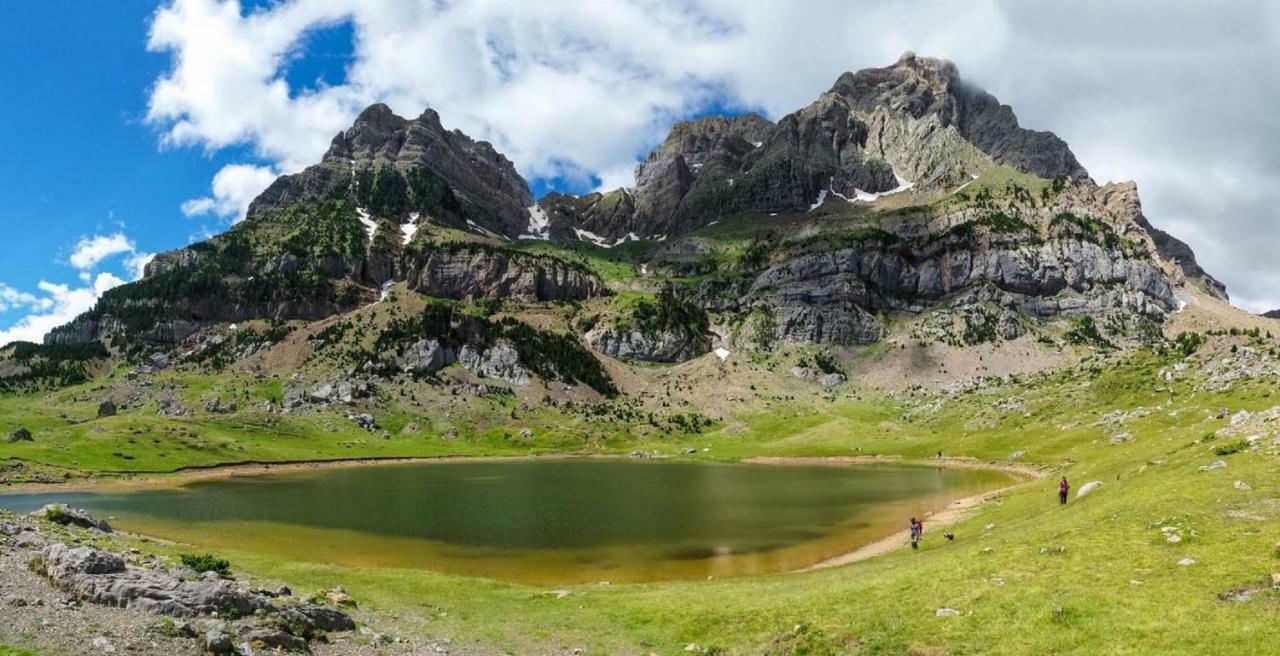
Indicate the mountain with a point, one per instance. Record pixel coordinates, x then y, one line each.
904 204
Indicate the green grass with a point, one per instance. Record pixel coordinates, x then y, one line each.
1027 575
6 650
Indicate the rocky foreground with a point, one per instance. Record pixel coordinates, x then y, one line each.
69 585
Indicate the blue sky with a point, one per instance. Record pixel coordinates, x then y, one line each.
135 126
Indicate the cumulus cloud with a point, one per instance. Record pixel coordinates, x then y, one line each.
1164 92
55 304
89 251
58 305
234 187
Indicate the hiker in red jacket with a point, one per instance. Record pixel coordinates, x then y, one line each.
1063 488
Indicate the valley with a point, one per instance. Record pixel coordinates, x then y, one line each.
896 279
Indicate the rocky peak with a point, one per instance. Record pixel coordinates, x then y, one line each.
931 90
440 171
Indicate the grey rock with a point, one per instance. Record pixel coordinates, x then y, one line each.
319 617
831 380
258 637
625 342
61 513
1088 488
322 393
218 641
464 273
20 435
426 356
106 409
500 361
95 576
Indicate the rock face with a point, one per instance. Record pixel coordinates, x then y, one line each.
501 361
659 346
484 273
461 175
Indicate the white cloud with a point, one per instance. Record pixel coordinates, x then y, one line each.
11 298
136 264
59 305
234 187
89 251
575 89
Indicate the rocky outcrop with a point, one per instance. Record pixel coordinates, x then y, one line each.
472 273
629 343
61 513
500 361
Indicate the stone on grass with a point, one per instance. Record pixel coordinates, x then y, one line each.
1187 561
1087 488
20 435
1216 464
1242 486
946 612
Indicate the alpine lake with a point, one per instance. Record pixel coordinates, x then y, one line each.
542 520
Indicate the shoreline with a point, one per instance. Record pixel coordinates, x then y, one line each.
953 514
192 473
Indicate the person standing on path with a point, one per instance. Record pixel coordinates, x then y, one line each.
1063 488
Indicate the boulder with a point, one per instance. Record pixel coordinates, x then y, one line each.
20 435
106 409
61 513
1088 488
319 617
322 393
217 641
259 636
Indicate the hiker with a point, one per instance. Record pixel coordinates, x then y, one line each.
1063 488
917 529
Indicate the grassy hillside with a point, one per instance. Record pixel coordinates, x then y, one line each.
1024 574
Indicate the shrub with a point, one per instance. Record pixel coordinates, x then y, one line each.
206 563
1230 448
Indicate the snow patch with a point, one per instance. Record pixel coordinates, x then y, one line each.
480 229
822 198
539 224
587 235
407 231
385 290
370 226
757 144
868 197
722 353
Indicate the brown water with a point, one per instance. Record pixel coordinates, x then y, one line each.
544 521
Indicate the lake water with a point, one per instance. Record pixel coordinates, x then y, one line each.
542 521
